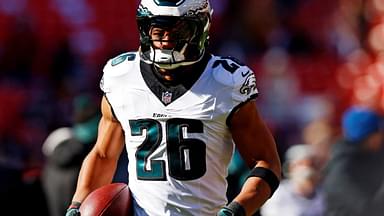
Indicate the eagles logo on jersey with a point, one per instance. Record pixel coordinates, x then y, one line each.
249 84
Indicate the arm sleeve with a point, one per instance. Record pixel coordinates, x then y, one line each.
244 89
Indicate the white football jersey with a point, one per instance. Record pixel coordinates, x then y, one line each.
177 138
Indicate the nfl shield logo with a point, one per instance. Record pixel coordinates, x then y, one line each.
166 97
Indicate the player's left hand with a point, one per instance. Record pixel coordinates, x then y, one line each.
73 209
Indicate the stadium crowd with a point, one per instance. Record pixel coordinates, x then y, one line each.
313 60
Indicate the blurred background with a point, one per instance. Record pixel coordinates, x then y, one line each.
312 59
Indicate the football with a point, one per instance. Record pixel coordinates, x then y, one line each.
109 200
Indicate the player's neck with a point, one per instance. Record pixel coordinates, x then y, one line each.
167 75
172 75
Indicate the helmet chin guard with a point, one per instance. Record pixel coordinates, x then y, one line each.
168 59
190 21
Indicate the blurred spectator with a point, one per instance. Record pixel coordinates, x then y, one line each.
320 131
300 193
354 173
15 62
65 149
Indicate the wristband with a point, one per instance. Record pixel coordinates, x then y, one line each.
268 176
232 209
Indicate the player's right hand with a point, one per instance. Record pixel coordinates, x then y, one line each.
74 209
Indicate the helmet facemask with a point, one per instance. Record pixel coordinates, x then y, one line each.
188 35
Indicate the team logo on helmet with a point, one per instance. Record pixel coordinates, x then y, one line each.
143 11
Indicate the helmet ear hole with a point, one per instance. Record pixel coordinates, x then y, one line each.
190 21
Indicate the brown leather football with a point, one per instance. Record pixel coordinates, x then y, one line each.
109 200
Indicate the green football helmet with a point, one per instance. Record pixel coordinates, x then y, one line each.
188 20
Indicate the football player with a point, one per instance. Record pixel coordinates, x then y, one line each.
180 112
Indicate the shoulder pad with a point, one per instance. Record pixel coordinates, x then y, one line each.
116 68
230 71
120 64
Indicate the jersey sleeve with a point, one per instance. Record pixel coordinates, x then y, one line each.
244 90
114 69
105 86
244 85
239 81
237 76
